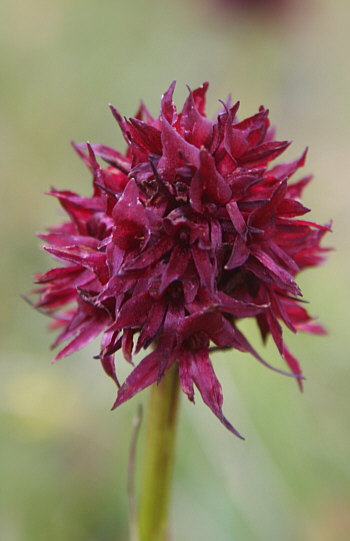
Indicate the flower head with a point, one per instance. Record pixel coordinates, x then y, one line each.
186 234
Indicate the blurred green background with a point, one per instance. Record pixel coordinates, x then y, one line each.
63 455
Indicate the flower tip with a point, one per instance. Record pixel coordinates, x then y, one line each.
224 105
116 114
328 226
168 95
303 157
91 152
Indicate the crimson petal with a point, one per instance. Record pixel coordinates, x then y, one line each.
201 372
142 376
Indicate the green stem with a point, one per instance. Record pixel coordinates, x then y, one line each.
159 457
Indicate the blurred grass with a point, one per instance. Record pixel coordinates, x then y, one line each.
63 455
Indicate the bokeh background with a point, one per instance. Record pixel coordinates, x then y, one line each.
63 454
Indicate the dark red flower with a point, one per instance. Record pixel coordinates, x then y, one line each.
185 235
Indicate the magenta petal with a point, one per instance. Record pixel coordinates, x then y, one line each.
196 128
152 325
57 238
130 218
175 268
204 267
115 256
240 180
134 312
286 170
199 97
90 259
145 373
217 328
295 190
283 256
152 255
254 128
196 191
186 379
237 219
234 141
208 385
107 361
112 156
239 308
109 368
248 348
293 365
284 276
215 234
275 329
239 255
289 207
174 147
147 136
118 285
128 344
168 340
90 330
214 183
59 275
264 217
221 332
301 319
167 105
263 153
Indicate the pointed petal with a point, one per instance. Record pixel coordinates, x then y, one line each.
168 108
239 308
152 325
128 344
175 268
286 170
152 255
87 333
215 185
168 339
204 267
134 311
237 219
262 154
234 141
239 255
208 385
197 129
248 348
131 223
111 156
293 365
87 258
146 136
186 379
199 97
175 149
283 276
145 373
